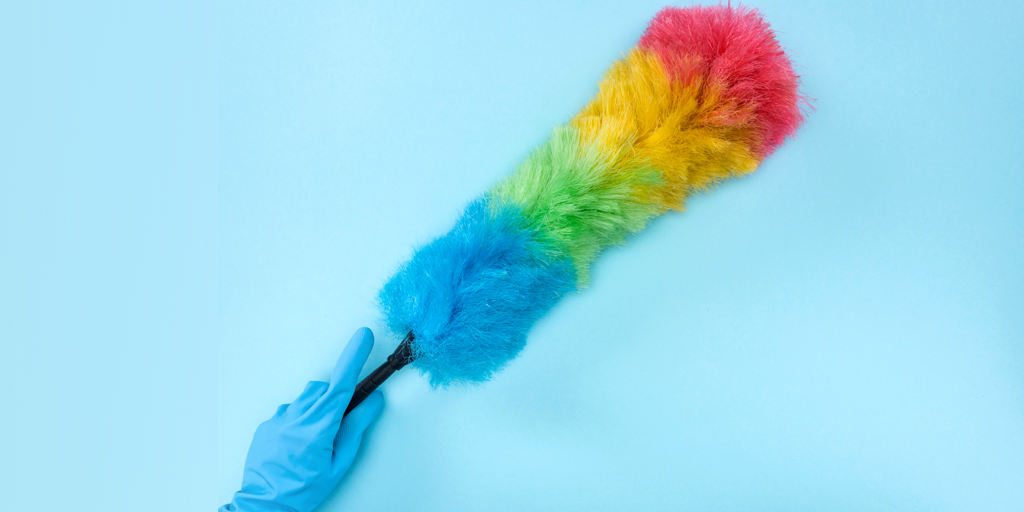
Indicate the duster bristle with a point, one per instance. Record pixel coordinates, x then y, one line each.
570 194
707 94
736 50
471 295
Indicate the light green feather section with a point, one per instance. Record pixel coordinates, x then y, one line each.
577 200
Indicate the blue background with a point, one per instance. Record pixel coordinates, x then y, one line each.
108 256
840 331
199 201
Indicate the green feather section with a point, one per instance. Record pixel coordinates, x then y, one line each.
577 200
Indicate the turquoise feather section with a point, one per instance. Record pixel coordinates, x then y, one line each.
471 296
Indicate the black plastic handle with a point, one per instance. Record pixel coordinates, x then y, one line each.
396 361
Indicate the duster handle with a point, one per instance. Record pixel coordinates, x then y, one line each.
396 361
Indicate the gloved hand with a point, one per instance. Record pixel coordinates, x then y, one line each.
298 457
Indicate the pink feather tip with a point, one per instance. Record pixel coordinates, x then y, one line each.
734 48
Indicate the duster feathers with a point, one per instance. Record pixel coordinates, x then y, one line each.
706 95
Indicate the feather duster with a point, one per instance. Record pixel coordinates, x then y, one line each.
706 95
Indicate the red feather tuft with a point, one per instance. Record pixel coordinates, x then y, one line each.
734 48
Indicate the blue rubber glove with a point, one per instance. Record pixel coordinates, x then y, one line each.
298 457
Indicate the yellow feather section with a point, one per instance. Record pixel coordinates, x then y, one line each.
685 130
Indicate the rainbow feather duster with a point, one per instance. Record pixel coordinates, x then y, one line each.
706 95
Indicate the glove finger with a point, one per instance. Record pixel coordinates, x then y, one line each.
281 409
345 376
314 390
350 435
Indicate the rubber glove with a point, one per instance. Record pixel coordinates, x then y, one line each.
298 457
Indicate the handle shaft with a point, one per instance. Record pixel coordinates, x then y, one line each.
396 361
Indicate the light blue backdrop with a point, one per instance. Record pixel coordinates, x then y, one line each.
840 331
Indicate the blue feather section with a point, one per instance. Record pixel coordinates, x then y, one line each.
471 296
